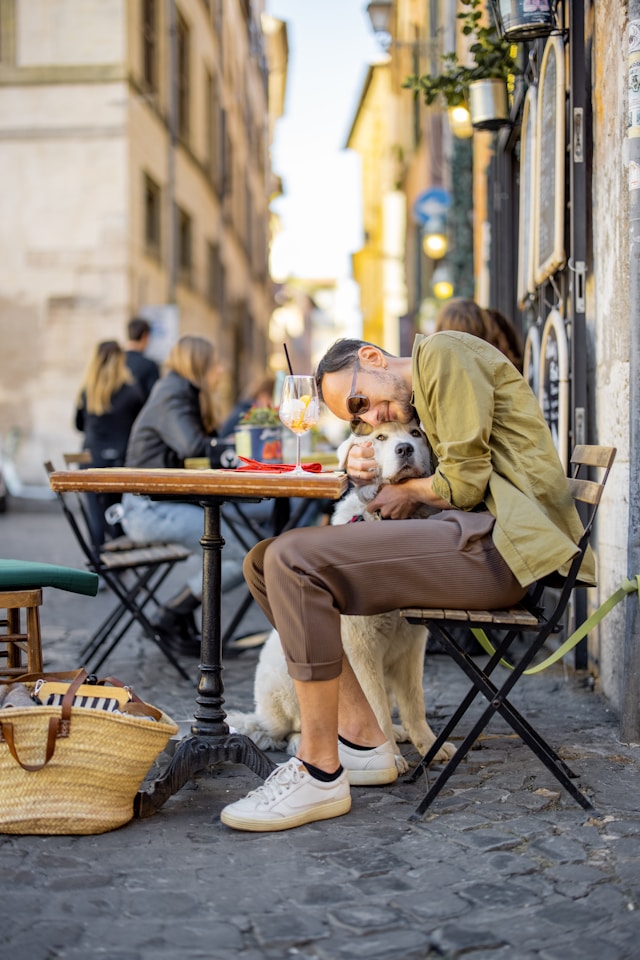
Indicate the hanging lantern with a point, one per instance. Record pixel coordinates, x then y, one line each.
520 20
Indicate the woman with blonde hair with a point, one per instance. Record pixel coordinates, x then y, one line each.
178 422
108 402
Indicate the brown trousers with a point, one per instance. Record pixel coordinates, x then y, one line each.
305 578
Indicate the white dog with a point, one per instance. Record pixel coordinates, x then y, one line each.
385 651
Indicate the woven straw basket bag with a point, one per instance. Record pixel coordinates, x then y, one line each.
83 772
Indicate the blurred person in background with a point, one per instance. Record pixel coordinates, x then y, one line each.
177 423
514 348
107 405
145 370
260 396
488 324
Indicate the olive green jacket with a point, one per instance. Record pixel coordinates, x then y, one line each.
493 446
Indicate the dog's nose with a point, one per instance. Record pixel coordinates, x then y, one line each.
404 450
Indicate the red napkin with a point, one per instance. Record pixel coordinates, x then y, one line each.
276 467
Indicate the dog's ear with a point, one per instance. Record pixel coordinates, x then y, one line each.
343 451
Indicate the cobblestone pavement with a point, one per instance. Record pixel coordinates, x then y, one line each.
505 865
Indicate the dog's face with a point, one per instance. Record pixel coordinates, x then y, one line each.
401 452
400 449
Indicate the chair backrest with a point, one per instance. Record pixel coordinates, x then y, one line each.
84 540
587 492
81 458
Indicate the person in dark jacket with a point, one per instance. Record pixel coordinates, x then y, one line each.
144 369
177 423
108 403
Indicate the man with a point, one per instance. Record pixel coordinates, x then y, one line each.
144 369
506 519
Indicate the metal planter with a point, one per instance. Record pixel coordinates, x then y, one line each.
488 104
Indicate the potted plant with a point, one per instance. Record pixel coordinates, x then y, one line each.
482 84
259 435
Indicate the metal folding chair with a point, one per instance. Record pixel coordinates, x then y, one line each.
498 629
134 574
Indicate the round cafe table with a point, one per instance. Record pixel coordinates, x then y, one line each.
210 741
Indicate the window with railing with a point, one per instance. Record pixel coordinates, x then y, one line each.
150 45
185 246
215 277
152 216
8 32
183 68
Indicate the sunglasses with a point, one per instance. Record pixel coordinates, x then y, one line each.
357 404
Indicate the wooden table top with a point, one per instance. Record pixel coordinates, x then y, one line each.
213 483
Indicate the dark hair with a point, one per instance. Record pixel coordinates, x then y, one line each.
340 355
137 328
488 324
512 345
106 350
464 315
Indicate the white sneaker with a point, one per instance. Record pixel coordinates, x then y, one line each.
289 797
368 767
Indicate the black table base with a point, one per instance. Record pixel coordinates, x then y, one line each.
210 742
195 754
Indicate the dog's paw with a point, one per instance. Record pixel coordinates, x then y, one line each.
293 742
400 733
252 726
444 753
401 764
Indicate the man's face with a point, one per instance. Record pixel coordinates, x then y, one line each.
388 395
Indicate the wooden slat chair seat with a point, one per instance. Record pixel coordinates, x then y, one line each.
152 553
21 584
530 621
132 573
518 616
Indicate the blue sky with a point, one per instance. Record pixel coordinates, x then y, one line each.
330 46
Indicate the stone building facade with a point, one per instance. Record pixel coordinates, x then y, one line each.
135 136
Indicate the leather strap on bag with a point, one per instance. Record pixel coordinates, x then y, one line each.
60 726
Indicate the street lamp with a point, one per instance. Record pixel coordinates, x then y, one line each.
442 282
460 122
430 210
379 12
434 238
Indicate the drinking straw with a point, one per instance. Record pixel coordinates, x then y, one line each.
286 353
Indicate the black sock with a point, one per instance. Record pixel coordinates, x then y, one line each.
354 746
319 774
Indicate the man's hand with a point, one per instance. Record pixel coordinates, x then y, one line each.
399 501
361 465
395 501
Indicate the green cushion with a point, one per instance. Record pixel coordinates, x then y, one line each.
25 575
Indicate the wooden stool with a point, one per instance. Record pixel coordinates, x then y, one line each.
14 643
21 583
